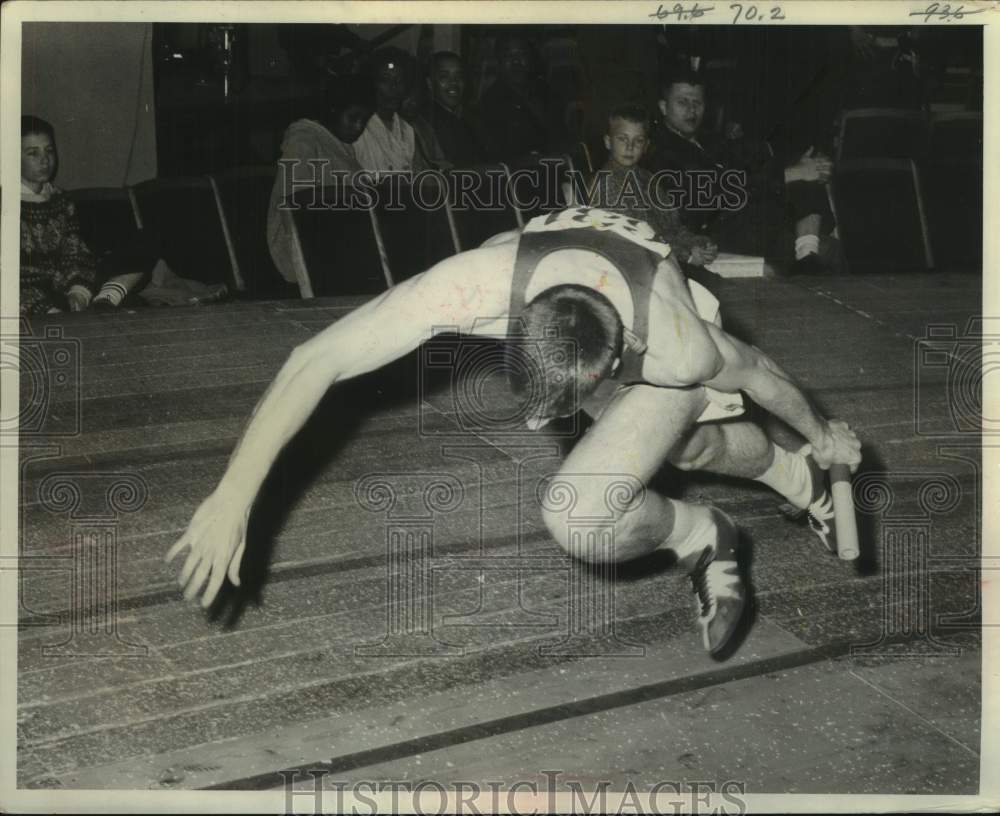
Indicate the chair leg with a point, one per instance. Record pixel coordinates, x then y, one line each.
383 255
230 248
517 210
922 214
299 261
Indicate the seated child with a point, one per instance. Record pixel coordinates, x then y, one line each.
348 103
622 186
58 271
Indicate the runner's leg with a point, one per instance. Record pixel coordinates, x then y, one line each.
604 482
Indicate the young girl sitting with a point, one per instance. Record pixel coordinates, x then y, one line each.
58 271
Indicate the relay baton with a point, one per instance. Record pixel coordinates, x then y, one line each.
843 512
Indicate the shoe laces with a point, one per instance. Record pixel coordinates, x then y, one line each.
713 580
820 512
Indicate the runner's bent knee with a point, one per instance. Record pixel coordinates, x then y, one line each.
594 519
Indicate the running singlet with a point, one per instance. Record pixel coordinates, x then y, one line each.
631 248
627 243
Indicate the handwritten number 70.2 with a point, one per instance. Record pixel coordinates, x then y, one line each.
750 13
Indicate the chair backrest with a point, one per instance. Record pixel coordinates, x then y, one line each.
415 223
244 194
536 185
184 216
956 136
953 175
882 133
579 158
480 203
880 215
107 218
336 233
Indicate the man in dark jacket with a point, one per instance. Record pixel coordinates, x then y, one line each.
513 120
738 192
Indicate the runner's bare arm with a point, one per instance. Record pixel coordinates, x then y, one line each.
741 367
453 293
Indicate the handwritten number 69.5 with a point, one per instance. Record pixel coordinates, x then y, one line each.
750 13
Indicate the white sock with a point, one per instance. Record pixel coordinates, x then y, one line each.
806 245
112 292
789 475
694 529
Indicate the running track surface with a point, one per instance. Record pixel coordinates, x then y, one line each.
506 660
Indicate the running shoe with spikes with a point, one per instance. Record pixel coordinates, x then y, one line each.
720 594
819 514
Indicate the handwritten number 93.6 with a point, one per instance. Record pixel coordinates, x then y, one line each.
945 13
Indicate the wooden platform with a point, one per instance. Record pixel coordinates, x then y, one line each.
856 677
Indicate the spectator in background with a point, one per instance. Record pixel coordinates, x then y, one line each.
624 187
886 67
58 272
446 111
388 143
428 148
348 103
783 205
512 116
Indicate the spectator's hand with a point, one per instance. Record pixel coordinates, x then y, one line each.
77 301
702 255
810 167
862 43
215 540
733 131
838 445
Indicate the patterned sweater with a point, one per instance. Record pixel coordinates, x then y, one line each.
54 257
613 190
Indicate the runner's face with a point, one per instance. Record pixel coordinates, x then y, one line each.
684 108
626 141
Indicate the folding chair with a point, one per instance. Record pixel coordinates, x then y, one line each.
185 216
480 204
415 223
336 245
243 195
956 135
107 217
954 182
536 185
881 215
882 133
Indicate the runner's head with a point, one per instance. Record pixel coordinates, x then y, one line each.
573 341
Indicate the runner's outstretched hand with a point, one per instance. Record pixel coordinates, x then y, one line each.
215 540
